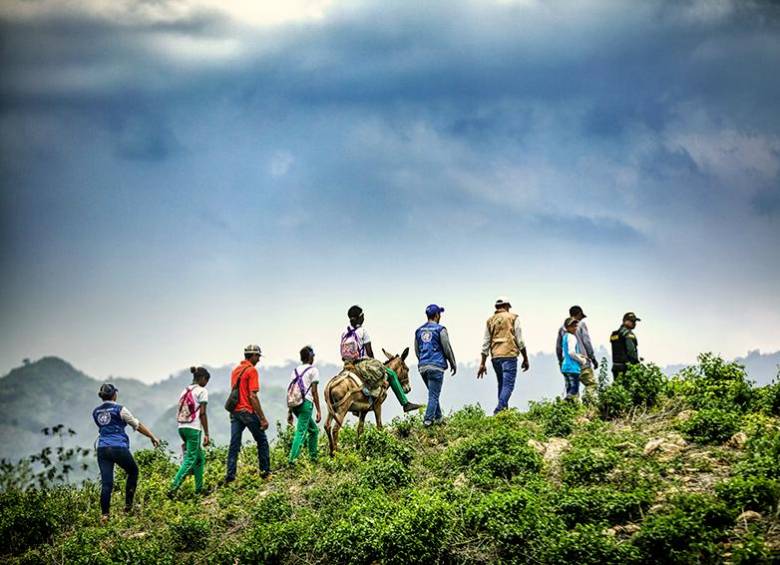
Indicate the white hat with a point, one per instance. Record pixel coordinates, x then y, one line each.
502 301
253 349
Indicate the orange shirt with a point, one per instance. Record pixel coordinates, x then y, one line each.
249 384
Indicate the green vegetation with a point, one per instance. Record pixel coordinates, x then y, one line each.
612 483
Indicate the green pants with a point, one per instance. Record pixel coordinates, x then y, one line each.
194 459
588 380
395 384
305 426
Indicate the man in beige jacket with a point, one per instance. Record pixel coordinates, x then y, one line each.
504 341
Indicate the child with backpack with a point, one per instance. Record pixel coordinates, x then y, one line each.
302 397
193 429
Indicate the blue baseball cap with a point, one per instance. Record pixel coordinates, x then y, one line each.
433 309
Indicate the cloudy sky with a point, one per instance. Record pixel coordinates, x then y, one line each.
179 178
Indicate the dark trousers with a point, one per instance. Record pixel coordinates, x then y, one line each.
506 373
238 422
107 458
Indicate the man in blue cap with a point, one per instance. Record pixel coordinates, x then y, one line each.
434 355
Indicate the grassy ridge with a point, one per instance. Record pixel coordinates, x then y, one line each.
680 471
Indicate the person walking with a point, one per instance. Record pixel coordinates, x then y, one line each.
113 447
248 414
503 340
302 399
434 355
573 359
587 376
625 346
356 350
193 429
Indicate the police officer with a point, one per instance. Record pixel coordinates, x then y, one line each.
624 345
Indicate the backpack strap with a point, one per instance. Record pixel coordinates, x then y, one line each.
238 380
299 380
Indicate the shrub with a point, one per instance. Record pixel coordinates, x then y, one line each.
418 530
751 550
588 544
502 453
583 465
710 425
556 417
190 533
750 493
762 457
687 532
766 399
601 504
644 383
384 473
30 518
517 520
377 443
614 402
713 383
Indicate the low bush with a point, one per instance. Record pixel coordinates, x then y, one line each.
502 453
766 399
378 443
645 383
384 473
713 383
190 533
588 544
556 417
601 505
710 425
762 457
750 493
614 402
585 465
686 532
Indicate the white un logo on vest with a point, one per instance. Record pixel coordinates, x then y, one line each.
426 336
103 418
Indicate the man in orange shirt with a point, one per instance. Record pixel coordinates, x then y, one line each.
248 414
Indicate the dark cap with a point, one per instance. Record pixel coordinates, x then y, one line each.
631 316
577 310
433 309
107 390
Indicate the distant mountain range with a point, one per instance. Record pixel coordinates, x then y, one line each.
50 391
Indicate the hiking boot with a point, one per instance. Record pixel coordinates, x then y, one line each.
411 406
104 519
427 423
170 495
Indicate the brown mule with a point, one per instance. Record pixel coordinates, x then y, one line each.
343 395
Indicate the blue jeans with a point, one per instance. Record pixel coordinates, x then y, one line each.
239 421
572 381
108 457
433 380
506 373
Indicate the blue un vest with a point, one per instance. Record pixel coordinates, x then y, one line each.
569 365
110 425
428 338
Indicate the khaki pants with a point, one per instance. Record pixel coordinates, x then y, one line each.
588 381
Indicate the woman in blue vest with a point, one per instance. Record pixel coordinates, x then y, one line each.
432 346
573 359
113 447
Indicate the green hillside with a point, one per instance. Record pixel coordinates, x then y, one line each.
681 470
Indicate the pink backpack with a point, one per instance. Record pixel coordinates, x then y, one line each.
188 407
351 347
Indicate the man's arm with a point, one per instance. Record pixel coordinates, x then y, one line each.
631 352
255 402
521 344
485 350
447 348
316 397
559 348
204 422
369 350
584 337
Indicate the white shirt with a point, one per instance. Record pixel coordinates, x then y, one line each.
571 346
201 397
311 377
362 336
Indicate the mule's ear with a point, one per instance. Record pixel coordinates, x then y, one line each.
405 354
387 354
